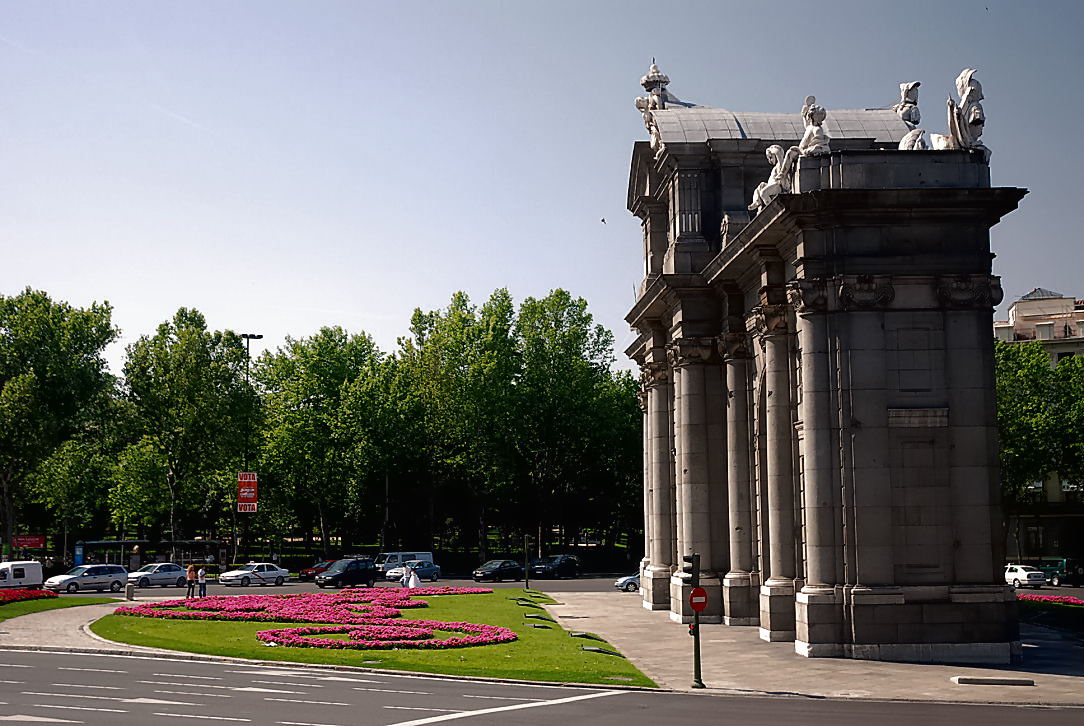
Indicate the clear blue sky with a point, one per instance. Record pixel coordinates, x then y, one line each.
285 165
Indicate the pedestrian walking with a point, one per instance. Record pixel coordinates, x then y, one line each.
201 578
404 581
190 579
412 578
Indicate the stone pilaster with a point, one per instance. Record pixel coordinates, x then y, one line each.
740 603
655 581
777 592
692 357
643 397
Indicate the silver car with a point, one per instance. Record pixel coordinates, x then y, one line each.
255 573
89 577
424 569
158 573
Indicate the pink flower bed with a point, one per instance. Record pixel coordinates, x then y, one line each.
1062 599
366 616
7 596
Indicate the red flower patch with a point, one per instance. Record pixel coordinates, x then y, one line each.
7 596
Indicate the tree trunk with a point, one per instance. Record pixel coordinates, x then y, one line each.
171 482
8 509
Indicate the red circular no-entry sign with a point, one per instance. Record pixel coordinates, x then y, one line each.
698 599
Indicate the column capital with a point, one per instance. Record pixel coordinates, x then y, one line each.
652 374
809 295
641 400
767 320
975 292
734 346
690 351
865 292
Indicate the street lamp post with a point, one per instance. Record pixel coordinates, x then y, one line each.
248 338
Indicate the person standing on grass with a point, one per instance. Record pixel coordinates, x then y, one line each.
201 577
190 579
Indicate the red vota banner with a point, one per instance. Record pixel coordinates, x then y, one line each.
31 541
247 491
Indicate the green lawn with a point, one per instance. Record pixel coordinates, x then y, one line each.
1057 615
15 609
539 654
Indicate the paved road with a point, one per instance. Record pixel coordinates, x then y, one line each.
123 691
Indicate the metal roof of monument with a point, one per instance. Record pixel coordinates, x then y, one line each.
701 123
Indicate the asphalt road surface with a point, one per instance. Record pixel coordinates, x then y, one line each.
132 691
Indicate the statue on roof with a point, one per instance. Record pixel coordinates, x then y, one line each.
966 119
654 83
815 140
907 108
781 179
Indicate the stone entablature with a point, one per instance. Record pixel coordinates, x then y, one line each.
825 436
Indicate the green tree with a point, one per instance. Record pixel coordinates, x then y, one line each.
51 372
188 390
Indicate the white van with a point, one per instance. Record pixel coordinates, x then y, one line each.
24 575
387 560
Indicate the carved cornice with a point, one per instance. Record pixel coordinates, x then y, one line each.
770 320
969 291
691 351
734 346
866 292
808 296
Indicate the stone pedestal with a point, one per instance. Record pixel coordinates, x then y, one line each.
740 599
655 588
680 612
777 611
818 619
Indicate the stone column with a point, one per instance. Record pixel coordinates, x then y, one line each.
690 357
655 582
740 605
818 616
642 398
777 592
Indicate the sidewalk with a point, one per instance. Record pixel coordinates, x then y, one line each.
64 628
736 660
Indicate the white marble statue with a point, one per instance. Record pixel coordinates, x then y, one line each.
815 140
965 119
654 82
646 105
913 141
781 179
907 108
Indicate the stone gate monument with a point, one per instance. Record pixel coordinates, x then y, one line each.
814 335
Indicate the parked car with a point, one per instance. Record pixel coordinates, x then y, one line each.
23 574
1060 570
556 566
89 577
1018 575
310 573
629 583
349 571
158 573
387 560
258 573
498 570
424 569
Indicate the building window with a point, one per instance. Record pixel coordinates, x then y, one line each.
1044 331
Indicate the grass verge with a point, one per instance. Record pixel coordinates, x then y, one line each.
1052 614
539 654
25 607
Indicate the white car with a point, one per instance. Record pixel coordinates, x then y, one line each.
255 573
1022 575
159 573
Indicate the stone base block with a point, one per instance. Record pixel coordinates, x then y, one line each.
655 588
818 650
681 612
963 653
740 601
818 619
777 612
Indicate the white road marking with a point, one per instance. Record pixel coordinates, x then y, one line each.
79 708
503 698
250 689
14 665
12 681
392 690
283 683
36 719
419 708
201 695
298 700
182 675
90 670
257 689
85 685
500 709
302 723
85 696
198 715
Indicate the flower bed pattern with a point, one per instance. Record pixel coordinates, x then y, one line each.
1061 599
7 596
364 616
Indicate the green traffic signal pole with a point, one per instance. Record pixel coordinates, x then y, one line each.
693 569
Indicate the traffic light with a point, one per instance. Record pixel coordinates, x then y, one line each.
692 568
